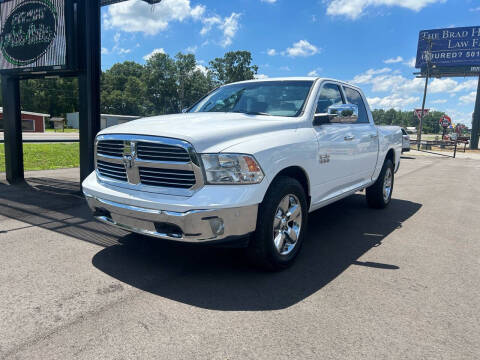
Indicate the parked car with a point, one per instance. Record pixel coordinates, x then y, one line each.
405 141
247 162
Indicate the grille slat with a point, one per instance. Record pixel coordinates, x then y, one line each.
115 171
161 152
147 151
170 178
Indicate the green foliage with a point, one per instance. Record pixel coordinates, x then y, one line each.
234 66
46 156
164 85
408 119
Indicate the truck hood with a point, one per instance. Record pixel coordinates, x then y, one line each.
207 132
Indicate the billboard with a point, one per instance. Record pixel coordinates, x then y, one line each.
33 35
451 47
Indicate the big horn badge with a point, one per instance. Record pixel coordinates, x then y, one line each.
28 32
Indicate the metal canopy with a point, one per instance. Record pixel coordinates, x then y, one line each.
110 2
88 30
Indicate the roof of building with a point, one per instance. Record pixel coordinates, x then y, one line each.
29 113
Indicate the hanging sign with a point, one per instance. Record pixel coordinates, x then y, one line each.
33 35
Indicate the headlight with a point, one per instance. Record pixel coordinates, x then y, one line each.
225 169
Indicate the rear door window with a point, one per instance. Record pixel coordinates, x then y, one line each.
329 95
354 97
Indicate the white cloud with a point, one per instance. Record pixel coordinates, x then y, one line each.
269 1
202 69
392 101
138 16
191 49
285 68
302 48
260 76
315 72
105 51
383 80
228 25
155 51
394 60
440 101
272 52
468 99
353 9
410 63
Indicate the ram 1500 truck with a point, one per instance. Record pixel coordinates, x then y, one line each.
249 161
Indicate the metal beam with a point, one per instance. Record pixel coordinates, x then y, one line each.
12 125
110 2
476 121
89 83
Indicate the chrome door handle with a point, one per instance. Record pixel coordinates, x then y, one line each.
349 138
373 136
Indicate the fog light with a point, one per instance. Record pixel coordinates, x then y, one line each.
218 228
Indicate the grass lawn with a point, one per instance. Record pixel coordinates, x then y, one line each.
60 131
46 156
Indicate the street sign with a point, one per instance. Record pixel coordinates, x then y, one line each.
36 35
451 47
418 112
445 121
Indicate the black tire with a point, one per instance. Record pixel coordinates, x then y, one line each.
262 250
376 197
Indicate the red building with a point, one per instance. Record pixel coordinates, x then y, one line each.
31 121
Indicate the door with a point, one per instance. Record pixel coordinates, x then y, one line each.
333 173
365 138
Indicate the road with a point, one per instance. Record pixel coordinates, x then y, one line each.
47 136
401 283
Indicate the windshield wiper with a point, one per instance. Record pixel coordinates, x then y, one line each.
251 112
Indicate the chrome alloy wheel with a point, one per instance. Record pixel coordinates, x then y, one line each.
287 224
387 184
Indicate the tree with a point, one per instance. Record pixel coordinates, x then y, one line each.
234 66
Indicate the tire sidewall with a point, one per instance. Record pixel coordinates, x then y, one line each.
277 192
388 164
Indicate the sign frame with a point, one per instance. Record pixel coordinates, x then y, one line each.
71 66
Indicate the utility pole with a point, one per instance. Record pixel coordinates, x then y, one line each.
428 56
476 121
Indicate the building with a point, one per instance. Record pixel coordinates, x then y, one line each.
31 121
106 120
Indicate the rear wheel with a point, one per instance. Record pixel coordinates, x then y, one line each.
281 225
379 195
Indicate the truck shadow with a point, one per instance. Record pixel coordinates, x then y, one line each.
221 279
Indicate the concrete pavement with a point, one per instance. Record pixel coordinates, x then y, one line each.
401 283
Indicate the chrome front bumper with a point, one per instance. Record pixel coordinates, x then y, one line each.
194 226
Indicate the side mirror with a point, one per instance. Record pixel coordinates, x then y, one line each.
343 113
184 110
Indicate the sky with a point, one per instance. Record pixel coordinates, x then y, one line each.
371 43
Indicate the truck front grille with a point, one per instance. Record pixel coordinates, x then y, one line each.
160 152
168 178
112 170
148 161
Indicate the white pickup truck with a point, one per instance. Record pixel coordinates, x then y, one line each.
248 162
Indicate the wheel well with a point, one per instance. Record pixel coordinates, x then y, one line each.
298 174
391 156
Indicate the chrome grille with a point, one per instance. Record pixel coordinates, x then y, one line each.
148 163
111 147
112 170
168 178
161 152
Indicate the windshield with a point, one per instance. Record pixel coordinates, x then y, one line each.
279 98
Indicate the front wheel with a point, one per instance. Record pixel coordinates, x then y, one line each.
281 225
379 195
